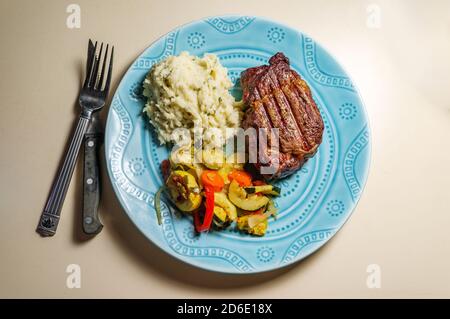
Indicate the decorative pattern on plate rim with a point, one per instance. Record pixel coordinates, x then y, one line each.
189 235
309 53
304 240
265 254
145 63
275 35
196 40
355 148
137 166
335 207
229 27
258 57
347 111
240 263
116 155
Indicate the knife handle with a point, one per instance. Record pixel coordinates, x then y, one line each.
91 184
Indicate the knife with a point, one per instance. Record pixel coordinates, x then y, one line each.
91 176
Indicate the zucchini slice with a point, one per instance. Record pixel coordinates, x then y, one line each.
220 214
239 197
264 189
220 217
182 188
221 201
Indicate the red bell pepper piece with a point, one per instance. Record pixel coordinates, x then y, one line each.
209 211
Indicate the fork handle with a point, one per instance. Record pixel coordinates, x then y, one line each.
50 216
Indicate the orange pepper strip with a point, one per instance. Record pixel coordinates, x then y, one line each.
212 179
243 178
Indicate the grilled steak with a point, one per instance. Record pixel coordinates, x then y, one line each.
277 97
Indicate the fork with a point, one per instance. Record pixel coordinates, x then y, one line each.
92 98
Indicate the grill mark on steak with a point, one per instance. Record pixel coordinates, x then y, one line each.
299 115
278 109
290 125
314 119
272 109
287 79
294 111
262 119
287 140
303 116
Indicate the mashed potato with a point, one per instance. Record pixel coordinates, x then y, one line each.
189 92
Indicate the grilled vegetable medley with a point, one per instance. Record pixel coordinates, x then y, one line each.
218 193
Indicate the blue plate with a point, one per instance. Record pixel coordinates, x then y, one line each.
315 202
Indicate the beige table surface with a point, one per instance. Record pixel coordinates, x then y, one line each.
402 222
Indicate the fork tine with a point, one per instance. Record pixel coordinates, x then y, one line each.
108 78
90 58
92 65
102 75
94 75
96 85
